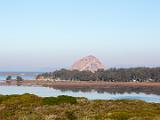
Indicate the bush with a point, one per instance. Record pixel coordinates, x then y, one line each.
25 99
59 100
9 78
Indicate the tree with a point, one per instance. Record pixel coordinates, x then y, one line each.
9 78
111 75
19 79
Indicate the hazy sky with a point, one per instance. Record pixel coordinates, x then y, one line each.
39 35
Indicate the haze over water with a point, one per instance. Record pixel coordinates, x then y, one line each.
45 35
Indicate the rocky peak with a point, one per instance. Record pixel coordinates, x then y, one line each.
90 63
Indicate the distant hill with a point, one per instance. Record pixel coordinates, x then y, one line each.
90 63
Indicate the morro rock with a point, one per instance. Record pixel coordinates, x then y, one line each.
90 63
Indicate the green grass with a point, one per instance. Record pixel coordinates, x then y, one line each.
32 107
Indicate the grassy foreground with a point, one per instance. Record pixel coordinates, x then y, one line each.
32 107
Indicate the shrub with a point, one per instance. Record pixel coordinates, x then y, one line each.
59 100
25 99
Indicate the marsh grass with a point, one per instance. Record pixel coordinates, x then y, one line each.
32 107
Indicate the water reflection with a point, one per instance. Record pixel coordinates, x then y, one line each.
90 94
114 90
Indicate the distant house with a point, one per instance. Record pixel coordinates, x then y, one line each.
150 80
40 78
134 80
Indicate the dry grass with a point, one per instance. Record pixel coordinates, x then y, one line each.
31 107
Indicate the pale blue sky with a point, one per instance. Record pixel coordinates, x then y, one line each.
39 35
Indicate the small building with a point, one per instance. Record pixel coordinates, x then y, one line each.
40 78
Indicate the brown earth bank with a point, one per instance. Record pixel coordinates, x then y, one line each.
111 87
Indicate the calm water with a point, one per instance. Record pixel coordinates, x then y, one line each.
46 92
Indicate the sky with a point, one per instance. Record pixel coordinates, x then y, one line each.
44 35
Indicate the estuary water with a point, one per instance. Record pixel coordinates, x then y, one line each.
92 95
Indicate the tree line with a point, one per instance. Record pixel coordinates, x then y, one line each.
141 74
18 78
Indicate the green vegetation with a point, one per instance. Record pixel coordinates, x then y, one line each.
19 79
32 107
110 75
59 100
9 78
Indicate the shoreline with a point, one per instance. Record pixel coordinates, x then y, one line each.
80 83
100 86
